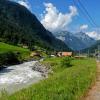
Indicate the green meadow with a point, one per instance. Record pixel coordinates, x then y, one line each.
10 48
65 83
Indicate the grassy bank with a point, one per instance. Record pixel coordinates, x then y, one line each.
24 53
10 54
64 84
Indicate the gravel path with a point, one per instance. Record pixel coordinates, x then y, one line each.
94 93
20 76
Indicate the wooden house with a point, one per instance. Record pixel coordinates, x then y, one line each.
64 54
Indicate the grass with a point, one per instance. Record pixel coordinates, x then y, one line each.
64 84
6 48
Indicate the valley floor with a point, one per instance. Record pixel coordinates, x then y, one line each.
65 83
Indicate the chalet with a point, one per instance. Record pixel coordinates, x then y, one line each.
35 54
64 54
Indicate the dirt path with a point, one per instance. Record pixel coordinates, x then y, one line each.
94 93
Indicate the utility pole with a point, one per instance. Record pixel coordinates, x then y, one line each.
79 52
95 53
99 52
88 53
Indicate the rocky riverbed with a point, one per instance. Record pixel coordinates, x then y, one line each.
14 78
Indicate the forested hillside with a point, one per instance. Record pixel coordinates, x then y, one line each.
19 26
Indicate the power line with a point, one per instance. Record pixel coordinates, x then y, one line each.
85 12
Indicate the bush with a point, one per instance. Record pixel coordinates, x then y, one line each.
8 58
66 62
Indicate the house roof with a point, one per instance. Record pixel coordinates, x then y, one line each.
66 53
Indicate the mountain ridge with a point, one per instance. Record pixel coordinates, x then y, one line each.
20 26
76 41
93 48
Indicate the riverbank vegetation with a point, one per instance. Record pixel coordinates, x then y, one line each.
65 83
10 54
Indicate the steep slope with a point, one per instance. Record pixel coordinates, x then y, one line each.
76 41
20 26
93 48
72 41
88 41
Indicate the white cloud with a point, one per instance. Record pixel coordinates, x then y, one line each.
94 35
24 3
53 20
84 27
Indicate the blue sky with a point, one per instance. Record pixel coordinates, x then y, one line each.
93 7
76 22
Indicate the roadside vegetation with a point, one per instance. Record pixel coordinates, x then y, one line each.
65 83
12 54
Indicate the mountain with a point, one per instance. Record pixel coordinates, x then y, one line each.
76 41
93 48
88 41
19 26
72 41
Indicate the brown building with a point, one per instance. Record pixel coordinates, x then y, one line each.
64 54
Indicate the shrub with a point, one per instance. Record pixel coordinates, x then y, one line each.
8 58
66 62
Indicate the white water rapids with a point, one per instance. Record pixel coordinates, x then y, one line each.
19 76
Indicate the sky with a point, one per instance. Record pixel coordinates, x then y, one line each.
58 15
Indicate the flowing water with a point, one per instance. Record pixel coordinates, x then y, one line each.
19 76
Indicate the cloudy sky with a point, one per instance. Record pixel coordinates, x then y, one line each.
57 15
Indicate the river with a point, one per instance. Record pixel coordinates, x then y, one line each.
19 76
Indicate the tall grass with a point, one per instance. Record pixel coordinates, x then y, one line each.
65 84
